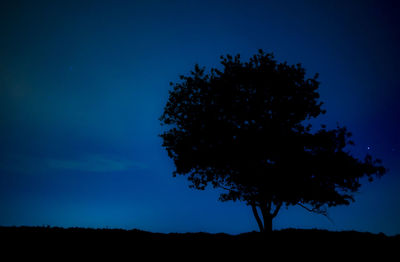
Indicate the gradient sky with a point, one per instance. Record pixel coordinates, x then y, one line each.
83 83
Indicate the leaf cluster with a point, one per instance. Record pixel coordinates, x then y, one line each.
242 128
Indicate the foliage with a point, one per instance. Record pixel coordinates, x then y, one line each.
242 128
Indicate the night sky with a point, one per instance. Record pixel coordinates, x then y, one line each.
83 84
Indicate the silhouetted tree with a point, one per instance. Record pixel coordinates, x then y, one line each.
243 128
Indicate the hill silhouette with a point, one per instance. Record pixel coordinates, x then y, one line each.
111 243
285 235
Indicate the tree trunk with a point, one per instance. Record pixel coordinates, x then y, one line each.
267 216
268 223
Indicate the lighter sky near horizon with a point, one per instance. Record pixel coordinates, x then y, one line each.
83 83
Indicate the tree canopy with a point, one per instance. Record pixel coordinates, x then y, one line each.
243 128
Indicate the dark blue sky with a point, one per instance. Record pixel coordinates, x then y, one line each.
83 83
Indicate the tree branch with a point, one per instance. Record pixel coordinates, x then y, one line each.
225 188
277 208
255 212
315 210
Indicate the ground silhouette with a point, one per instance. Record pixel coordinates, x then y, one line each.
55 242
287 235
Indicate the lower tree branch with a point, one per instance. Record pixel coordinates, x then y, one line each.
315 210
277 208
255 212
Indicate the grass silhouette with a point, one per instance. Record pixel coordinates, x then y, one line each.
285 235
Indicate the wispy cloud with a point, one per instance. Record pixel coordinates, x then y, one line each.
94 163
87 163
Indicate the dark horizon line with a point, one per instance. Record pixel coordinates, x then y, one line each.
77 229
